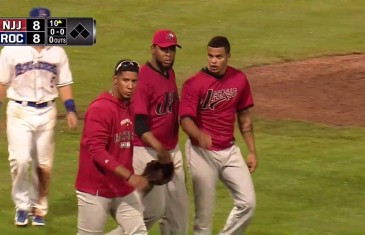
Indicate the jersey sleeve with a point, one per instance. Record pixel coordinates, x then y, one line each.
141 98
245 99
189 102
96 133
5 67
64 73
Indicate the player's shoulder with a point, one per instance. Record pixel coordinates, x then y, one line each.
144 69
194 82
57 49
237 74
195 77
13 49
100 104
235 71
146 73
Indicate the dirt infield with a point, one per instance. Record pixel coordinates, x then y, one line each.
328 90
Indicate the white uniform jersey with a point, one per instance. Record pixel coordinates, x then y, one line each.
34 76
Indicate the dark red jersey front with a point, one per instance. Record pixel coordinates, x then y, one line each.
156 96
213 103
107 142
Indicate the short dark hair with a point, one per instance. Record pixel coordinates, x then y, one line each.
126 65
220 41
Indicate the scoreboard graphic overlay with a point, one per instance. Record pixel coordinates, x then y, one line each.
47 31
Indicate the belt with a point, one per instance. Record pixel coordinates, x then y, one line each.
35 104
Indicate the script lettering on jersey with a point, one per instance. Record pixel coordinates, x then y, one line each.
125 137
168 103
213 98
40 65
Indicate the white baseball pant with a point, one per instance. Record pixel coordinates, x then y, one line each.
229 166
167 203
93 212
30 133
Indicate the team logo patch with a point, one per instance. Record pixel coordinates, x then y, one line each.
167 104
213 98
126 121
170 36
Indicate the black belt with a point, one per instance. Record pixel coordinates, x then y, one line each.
35 104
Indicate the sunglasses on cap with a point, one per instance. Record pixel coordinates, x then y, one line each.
127 65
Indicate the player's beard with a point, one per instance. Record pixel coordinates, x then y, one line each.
163 68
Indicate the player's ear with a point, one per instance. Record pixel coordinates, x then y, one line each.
115 78
153 47
229 55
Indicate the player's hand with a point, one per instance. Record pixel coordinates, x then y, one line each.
164 156
137 181
72 120
204 140
251 162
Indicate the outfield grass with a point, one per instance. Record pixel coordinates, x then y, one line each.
310 177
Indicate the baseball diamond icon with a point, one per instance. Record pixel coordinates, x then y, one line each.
79 30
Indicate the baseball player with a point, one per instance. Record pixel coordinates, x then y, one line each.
155 103
32 78
106 181
210 100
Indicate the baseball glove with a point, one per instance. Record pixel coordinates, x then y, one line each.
158 173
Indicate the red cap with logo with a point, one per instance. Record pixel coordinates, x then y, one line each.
165 38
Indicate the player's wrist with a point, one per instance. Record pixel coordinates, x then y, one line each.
70 105
129 177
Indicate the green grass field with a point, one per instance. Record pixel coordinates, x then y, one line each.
311 177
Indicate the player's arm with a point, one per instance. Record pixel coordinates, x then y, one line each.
246 128
64 82
188 110
5 73
193 131
2 93
142 129
97 136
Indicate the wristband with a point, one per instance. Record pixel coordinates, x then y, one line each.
127 179
70 105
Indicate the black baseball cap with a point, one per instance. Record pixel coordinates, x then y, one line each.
126 65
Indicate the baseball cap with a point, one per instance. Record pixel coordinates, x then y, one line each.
165 38
40 12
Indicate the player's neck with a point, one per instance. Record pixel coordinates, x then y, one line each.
157 67
118 96
38 48
115 94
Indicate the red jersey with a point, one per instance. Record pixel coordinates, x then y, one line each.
213 103
156 96
106 142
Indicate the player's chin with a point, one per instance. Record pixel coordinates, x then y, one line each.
213 69
127 96
168 64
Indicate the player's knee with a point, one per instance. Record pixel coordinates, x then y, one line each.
19 165
246 207
153 216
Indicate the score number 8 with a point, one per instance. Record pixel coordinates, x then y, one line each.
36 38
36 25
